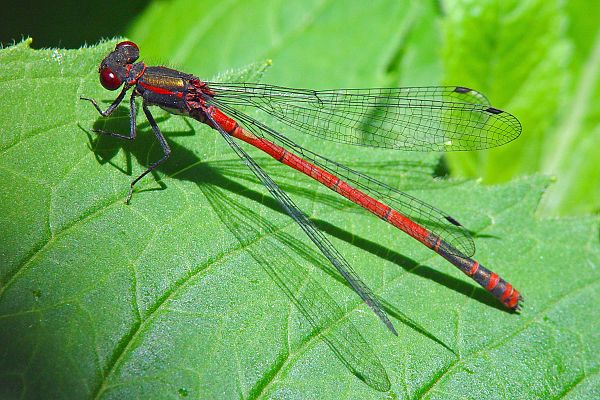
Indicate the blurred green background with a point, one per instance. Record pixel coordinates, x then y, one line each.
538 59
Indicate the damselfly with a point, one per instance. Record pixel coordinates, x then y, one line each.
414 118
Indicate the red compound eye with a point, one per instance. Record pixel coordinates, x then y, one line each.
108 79
127 43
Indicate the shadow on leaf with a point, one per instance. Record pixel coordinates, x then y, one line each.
313 302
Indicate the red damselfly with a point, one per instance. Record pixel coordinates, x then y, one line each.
415 118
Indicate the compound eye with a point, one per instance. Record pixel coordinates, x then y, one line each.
108 79
128 49
127 43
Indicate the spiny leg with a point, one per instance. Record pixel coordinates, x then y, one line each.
132 123
163 144
110 108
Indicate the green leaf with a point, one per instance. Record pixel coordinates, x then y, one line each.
182 293
315 43
541 61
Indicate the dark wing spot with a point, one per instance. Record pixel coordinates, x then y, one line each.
462 89
493 110
452 220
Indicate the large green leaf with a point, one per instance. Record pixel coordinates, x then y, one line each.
314 43
183 294
541 60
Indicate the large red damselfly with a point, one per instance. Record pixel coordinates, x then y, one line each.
415 118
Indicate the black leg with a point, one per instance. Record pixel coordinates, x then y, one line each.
114 104
163 144
132 118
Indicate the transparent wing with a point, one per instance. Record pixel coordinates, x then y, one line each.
435 220
317 237
445 118
320 310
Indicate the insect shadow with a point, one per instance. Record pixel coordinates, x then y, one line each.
145 149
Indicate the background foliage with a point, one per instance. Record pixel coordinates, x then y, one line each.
172 296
